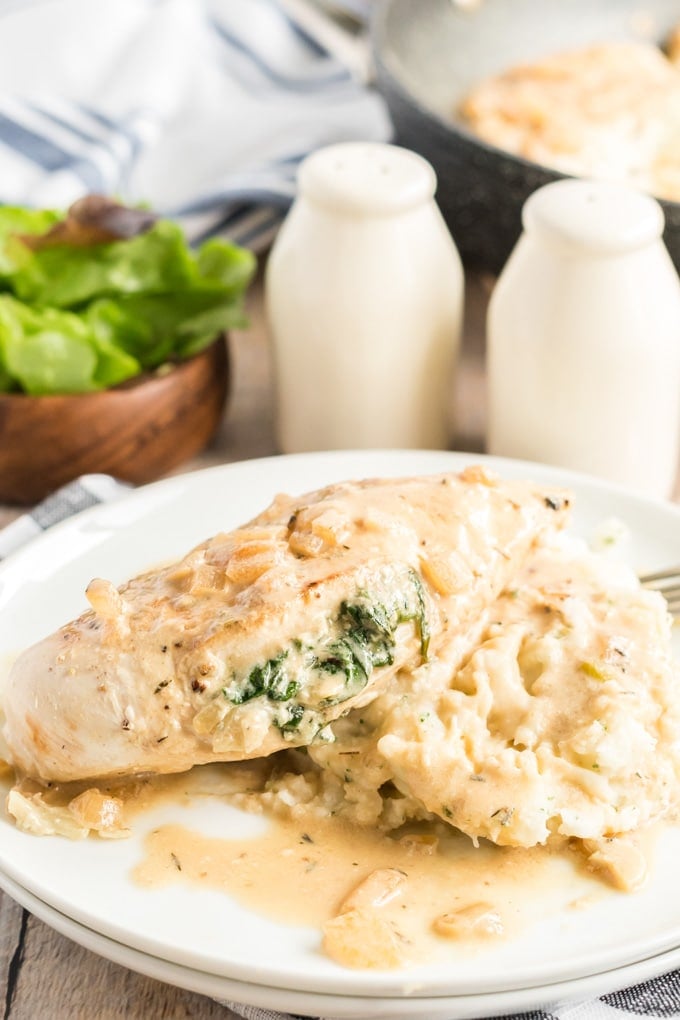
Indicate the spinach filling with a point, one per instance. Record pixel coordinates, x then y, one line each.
270 679
367 640
363 640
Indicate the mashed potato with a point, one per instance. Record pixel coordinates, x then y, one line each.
561 720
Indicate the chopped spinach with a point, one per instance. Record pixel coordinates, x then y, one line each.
363 639
269 679
288 721
368 625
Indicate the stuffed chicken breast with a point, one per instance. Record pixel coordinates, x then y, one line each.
259 638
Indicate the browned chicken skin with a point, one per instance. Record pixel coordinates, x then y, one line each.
259 638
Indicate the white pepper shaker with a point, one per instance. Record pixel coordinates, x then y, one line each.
583 337
364 294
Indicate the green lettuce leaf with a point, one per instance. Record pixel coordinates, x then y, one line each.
15 222
64 276
84 316
45 351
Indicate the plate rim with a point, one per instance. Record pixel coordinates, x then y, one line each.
469 1005
459 458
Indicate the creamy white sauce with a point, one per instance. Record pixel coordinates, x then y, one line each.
299 871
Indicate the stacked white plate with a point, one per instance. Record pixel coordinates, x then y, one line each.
203 940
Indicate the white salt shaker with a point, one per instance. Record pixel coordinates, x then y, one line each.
364 295
583 336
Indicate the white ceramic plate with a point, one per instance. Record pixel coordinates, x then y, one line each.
341 1006
42 585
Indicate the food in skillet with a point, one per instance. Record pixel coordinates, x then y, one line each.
609 111
259 638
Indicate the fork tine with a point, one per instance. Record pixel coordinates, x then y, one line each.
667 583
670 590
662 578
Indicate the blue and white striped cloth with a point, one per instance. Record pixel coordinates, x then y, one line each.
201 108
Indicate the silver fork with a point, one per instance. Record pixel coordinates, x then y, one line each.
668 583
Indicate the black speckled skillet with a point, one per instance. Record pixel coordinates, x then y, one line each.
429 53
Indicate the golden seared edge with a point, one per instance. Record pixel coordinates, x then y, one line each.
259 638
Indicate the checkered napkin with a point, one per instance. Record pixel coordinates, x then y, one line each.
202 109
659 997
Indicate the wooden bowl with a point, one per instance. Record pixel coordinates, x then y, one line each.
135 432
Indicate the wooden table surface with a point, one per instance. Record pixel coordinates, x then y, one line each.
44 976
